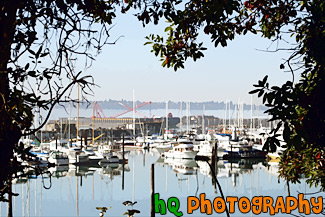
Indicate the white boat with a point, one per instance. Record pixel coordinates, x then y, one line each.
164 147
223 141
205 148
89 151
106 150
111 159
128 141
77 156
184 150
58 158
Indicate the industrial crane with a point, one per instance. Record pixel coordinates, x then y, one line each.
129 109
97 111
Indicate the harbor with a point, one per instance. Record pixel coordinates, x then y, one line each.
111 161
102 163
225 116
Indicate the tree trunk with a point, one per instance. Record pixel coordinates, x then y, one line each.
9 131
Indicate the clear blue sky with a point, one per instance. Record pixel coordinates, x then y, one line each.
223 74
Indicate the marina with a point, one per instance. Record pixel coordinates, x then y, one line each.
225 116
110 163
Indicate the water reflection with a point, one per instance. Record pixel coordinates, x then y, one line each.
78 190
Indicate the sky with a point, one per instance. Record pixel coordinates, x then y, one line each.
223 74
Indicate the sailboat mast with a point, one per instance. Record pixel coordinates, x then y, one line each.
78 115
69 130
187 117
225 120
181 118
133 115
251 125
229 113
203 127
93 124
167 117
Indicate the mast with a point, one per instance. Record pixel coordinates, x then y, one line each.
133 115
167 117
251 124
225 120
69 130
238 111
60 128
181 118
229 113
93 124
203 127
187 117
78 115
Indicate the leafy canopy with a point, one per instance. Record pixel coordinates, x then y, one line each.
297 105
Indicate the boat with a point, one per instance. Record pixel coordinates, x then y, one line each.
40 159
128 141
241 149
76 156
164 147
109 159
59 145
89 151
183 150
106 149
205 148
58 158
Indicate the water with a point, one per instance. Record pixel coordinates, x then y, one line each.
77 191
58 113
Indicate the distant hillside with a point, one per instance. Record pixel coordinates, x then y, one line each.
210 105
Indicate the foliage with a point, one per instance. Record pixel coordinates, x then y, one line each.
103 210
48 37
297 105
41 40
303 130
41 43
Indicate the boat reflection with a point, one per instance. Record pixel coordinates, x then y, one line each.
223 168
110 184
59 171
182 166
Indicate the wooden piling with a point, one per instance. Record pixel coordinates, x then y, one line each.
56 142
85 138
213 157
123 169
123 147
216 150
216 157
152 190
10 199
81 142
